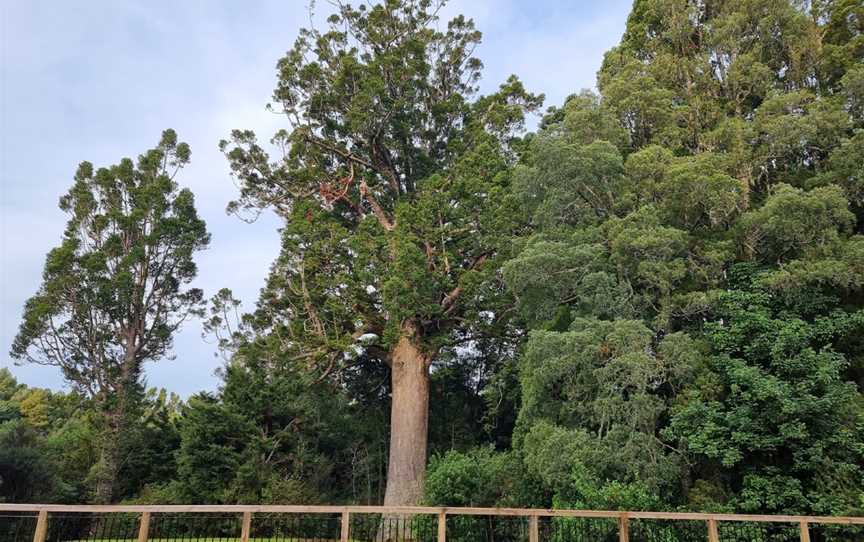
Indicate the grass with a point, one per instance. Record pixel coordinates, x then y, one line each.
214 539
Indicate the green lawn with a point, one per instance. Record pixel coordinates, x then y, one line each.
216 539
213 539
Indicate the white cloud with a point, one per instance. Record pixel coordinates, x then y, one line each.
99 81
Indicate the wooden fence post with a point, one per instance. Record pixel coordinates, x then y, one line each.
39 513
713 534
246 528
144 527
623 528
346 526
41 527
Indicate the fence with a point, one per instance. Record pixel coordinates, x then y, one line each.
67 523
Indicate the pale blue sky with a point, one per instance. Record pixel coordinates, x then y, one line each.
99 80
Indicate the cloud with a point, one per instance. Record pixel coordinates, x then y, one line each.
100 80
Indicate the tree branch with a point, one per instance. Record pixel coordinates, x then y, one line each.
380 214
449 300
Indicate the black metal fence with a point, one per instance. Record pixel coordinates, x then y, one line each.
15 526
274 527
56 523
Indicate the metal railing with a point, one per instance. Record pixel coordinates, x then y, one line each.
254 523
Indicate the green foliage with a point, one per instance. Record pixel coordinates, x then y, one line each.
127 249
26 472
656 301
593 398
845 169
116 289
694 286
780 420
393 181
276 433
50 445
149 450
213 438
479 477
793 224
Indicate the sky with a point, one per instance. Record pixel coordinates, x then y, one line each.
99 80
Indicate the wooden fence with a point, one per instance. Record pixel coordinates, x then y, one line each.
245 523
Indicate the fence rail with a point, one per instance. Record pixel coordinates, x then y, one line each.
263 523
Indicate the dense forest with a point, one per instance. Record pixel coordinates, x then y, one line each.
654 300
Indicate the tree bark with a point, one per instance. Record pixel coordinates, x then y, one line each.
409 421
109 462
113 435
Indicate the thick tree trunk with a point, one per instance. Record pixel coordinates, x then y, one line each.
108 468
409 421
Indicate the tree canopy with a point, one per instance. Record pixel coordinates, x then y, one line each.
115 290
651 298
393 183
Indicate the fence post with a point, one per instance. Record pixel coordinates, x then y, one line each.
805 532
144 527
246 527
623 527
534 529
41 527
442 526
713 534
346 526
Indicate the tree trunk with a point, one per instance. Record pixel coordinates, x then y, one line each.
117 418
108 468
409 421
109 464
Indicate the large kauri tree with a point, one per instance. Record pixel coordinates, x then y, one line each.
392 180
116 289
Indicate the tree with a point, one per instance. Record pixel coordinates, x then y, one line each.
694 286
213 440
116 289
151 445
593 398
42 458
393 186
272 434
27 473
778 425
